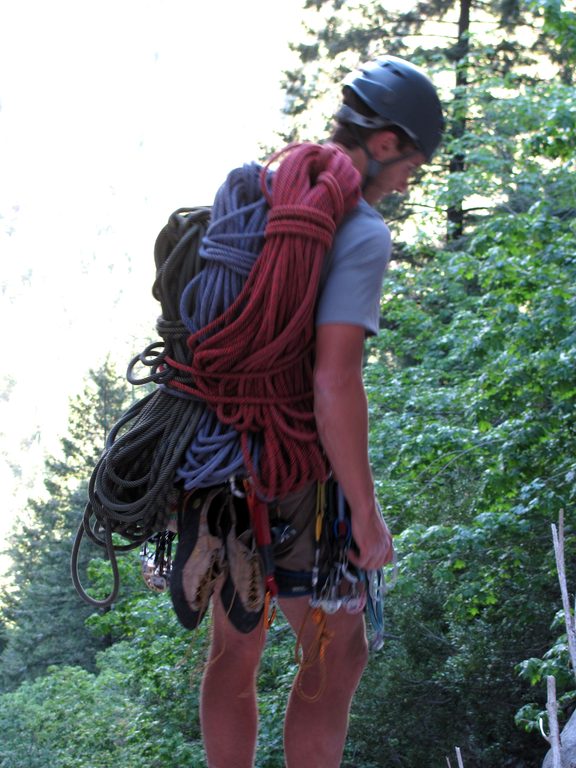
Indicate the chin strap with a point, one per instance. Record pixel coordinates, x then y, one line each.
374 166
377 166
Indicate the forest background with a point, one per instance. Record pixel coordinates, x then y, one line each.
471 391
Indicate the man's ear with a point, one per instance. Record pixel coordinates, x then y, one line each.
383 144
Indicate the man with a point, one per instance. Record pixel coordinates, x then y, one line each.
390 123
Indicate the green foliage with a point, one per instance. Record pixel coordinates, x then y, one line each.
481 57
119 686
535 670
140 707
43 618
472 396
560 29
138 711
457 619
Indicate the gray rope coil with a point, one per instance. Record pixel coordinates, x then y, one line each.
130 488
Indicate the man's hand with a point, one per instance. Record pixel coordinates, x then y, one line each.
373 541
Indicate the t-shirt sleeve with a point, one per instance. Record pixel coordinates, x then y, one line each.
353 286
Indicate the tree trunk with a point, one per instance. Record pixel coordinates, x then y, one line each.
457 162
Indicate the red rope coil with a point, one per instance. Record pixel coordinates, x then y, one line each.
253 365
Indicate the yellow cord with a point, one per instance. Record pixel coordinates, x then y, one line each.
320 504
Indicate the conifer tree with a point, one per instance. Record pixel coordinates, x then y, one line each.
465 45
43 618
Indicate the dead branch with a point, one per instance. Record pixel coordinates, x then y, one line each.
558 538
553 738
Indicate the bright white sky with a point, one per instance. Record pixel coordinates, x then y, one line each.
112 115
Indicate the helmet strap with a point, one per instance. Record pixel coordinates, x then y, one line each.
374 166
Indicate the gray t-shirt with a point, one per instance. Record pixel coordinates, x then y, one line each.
359 257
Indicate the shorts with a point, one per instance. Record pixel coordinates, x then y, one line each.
293 526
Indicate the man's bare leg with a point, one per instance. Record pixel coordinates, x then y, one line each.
228 706
317 715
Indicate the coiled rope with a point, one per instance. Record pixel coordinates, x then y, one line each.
253 363
250 339
132 488
131 485
229 250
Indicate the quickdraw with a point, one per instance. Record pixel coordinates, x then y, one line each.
156 560
342 587
345 587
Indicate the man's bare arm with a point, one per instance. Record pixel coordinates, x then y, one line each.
342 418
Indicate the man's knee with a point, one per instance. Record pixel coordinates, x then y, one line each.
348 653
234 649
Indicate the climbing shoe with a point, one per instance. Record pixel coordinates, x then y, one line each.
200 555
243 591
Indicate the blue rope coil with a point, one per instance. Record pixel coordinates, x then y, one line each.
229 249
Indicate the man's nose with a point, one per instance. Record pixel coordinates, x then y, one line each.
402 187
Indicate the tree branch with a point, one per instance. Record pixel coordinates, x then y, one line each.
558 538
459 758
552 710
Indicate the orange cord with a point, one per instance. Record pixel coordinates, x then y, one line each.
317 653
